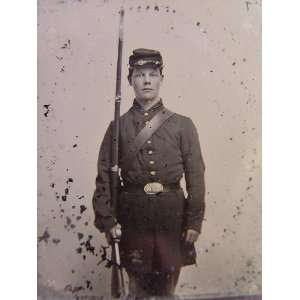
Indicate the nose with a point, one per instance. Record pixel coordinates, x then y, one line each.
147 79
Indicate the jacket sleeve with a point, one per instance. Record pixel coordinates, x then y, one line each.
104 217
194 176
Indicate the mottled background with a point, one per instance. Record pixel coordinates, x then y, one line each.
212 56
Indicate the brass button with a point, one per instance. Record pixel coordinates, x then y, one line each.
152 173
151 162
150 152
149 142
146 114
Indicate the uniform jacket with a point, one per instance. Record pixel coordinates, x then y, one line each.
152 224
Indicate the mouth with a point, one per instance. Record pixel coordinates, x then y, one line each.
147 90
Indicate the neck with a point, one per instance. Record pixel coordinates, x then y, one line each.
147 104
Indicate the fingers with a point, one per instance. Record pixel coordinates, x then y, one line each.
115 232
191 236
118 231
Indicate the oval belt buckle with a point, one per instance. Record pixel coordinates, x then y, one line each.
153 188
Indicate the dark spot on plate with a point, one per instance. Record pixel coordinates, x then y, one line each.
55 241
67 45
68 288
156 8
88 284
68 220
198 24
82 208
77 289
47 107
44 237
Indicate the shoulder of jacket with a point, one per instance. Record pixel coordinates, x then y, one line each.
182 118
125 115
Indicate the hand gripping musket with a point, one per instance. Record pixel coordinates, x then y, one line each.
117 278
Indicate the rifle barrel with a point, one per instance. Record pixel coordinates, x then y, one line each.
117 284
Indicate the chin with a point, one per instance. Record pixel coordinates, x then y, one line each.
148 98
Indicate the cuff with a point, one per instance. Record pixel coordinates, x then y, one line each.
105 223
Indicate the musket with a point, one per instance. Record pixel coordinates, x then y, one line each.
117 278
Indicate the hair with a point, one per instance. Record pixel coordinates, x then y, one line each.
130 71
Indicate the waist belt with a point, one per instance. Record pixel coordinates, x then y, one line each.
151 188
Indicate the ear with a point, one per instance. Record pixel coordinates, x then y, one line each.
162 79
129 80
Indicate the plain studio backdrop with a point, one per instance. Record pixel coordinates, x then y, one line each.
212 57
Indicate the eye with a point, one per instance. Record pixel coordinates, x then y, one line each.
153 74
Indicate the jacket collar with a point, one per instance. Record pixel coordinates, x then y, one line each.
138 107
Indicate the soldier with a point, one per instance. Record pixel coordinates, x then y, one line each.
159 224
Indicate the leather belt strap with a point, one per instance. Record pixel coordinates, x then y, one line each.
139 188
144 135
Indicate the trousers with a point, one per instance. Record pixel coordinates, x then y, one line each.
144 285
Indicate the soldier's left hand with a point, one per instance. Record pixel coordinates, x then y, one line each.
191 236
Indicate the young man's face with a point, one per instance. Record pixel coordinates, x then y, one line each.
146 82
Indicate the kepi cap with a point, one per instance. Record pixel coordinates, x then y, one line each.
142 56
